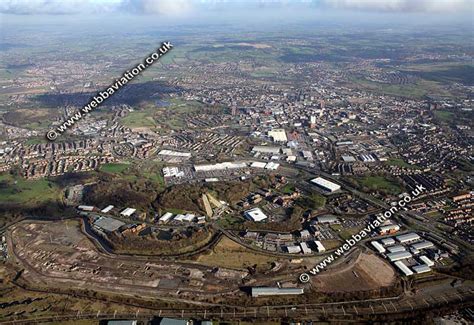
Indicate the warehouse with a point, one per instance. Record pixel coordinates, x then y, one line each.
107 209
388 241
407 238
378 246
128 212
278 135
293 249
319 246
87 208
108 224
402 267
255 215
274 291
422 268
390 229
220 166
396 248
327 219
166 217
267 150
174 153
398 256
422 245
258 164
306 250
272 166
426 260
325 184
185 217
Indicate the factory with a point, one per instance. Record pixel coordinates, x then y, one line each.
128 212
255 214
326 185
220 166
107 224
405 253
275 291
278 135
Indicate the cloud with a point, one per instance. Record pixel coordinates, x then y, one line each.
185 7
428 6
54 7
159 7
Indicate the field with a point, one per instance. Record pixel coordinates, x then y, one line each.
379 183
400 163
138 119
363 272
115 168
19 190
232 255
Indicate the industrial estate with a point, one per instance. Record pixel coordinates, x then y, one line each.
202 190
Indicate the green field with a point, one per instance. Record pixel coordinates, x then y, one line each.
379 183
20 190
114 168
445 116
138 119
401 163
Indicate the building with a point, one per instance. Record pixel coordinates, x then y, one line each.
108 224
397 256
422 268
388 241
389 229
266 150
274 291
378 246
402 267
327 219
166 217
220 166
87 208
255 214
407 238
128 212
422 245
326 185
293 249
107 209
319 246
306 250
426 260
396 248
185 217
278 135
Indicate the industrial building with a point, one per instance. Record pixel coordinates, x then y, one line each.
275 291
220 166
407 238
108 224
396 248
128 212
422 268
389 229
107 209
87 208
293 249
327 219
319 246
402 267
326 185
278 135
378 246
255 214
422 245
266 150
306 250
166 217
398 256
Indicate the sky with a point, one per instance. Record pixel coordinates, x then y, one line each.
459 12
181 7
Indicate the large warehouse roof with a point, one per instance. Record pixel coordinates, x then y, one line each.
399 256
255 214
270 291
325 184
